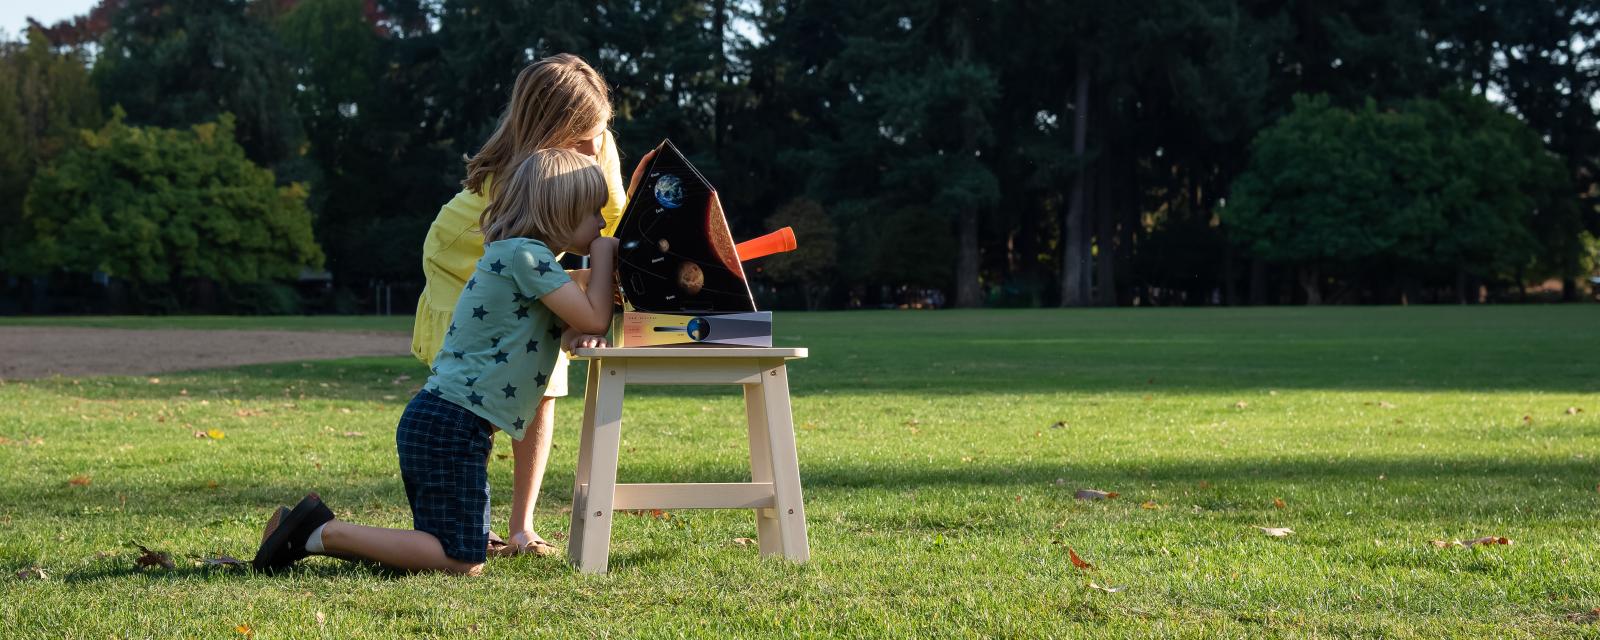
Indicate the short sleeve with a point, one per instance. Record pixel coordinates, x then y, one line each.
535 270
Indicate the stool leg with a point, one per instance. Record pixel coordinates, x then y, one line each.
581 475
595 545
755 411
790 508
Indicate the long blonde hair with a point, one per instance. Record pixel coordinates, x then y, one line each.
546 197
553 104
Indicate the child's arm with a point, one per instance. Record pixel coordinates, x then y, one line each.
589 311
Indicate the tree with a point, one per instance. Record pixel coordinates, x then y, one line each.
157 206
811 265
1421 190
45 97
174 63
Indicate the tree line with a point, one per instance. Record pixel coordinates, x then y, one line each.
206 153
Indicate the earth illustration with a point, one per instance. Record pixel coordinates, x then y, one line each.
669 191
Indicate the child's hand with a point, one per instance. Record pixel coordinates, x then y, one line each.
603 249
571 340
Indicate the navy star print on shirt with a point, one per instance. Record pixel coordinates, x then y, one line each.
543 268
518 423
475 399
500 357
539 379
472 283
498 266
452 330
532 346
510 391
479 312
522 313
471 380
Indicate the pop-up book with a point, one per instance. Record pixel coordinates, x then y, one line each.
682 276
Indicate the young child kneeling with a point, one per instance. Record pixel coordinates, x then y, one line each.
491 373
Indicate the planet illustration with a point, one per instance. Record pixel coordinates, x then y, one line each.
669 191
665 246
690 278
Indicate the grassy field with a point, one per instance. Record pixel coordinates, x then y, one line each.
940 453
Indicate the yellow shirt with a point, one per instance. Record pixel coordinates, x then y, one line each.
454 245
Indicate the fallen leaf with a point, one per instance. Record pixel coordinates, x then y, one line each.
1445 543
322 619
250 413
1527 419
1278 502
914 430
215 434
1095 494
154 381
152 558
33 573
1385 405
744 542
344 409
1591 616
1060 424
1276 532
1572 411
79 481
222 561
1240 404
1063 481
502 456
1149 504
1205 485
1486 540
1106 589
245 631
353 434
913 422
1077 561
399 379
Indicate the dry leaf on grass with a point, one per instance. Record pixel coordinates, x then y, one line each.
1095 494
222 561
1487 540
1276 532
1591 616
153 558
1149 504
322 619
1572 411
33 573
155 381
1106 589
80 480
245 630
1060 424
1278 502
744 542
1385 405
1240 404
1077 561
353 434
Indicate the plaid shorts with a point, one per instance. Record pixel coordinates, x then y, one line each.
444 461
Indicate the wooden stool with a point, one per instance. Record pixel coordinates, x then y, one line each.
774 489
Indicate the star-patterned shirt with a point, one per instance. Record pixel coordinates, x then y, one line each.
502 344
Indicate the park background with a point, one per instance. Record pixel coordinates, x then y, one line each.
283 156
981 472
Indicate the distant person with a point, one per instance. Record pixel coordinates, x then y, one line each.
559 102
493 372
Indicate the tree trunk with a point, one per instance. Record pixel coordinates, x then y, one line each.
967 294
1072 226
1311 280
1258 281
1105 237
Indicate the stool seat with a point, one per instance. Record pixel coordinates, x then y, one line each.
774 488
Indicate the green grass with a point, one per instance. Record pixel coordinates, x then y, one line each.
938 488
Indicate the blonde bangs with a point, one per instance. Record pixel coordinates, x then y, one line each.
546 198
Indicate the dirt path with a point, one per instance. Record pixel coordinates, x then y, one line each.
34 352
